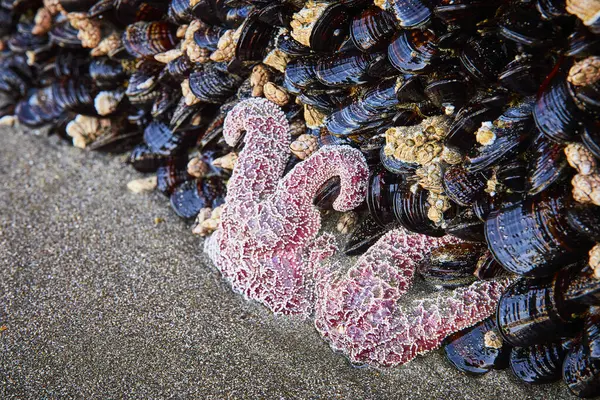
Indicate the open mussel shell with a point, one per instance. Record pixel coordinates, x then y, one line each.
533 311
213 84
555 112
533 237
540 363
145 39
451 265
478 349
581 373
548 164
372 28
413 51
191 196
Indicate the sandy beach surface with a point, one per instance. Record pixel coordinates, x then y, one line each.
99 301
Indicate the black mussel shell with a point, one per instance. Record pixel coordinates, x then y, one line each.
581 373
512 132
413 51
347 69
483 206
191 196
364 236
300 73
327 194
524 75
448 91
290 46
464 187
331 30
525 26
533 237
372 28
551 9
76 5
145 39
591 137
555 113
144 160
180 11
451 265
484 58
463 12
382 186
465 225
591 333
548 164
487 267
583 288
512 175
255 36
541 363
411 13
478 349
585 219
213 84
171 174
533 311
162 140
468 120
582 43
106 73
410 210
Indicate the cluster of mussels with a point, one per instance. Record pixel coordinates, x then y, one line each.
479 119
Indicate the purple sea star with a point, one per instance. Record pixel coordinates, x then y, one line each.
359 312
266 246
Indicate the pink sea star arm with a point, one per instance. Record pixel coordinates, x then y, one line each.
360 313
300 185
262 161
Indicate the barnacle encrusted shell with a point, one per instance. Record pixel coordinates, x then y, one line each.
107 101
187 94
485 134
346 222
89 33
85 129
276 59
207 221
586 10
586 188
276 94
197 168
168 55
106 45
419 144
226 46
304 20
227 161
431 177
313 117
194 52
258 78
438 203
53 6
580 158
594 261
43 21
304 146
142 185
585 72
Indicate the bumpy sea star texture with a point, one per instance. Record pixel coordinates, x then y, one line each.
359 312
267 245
